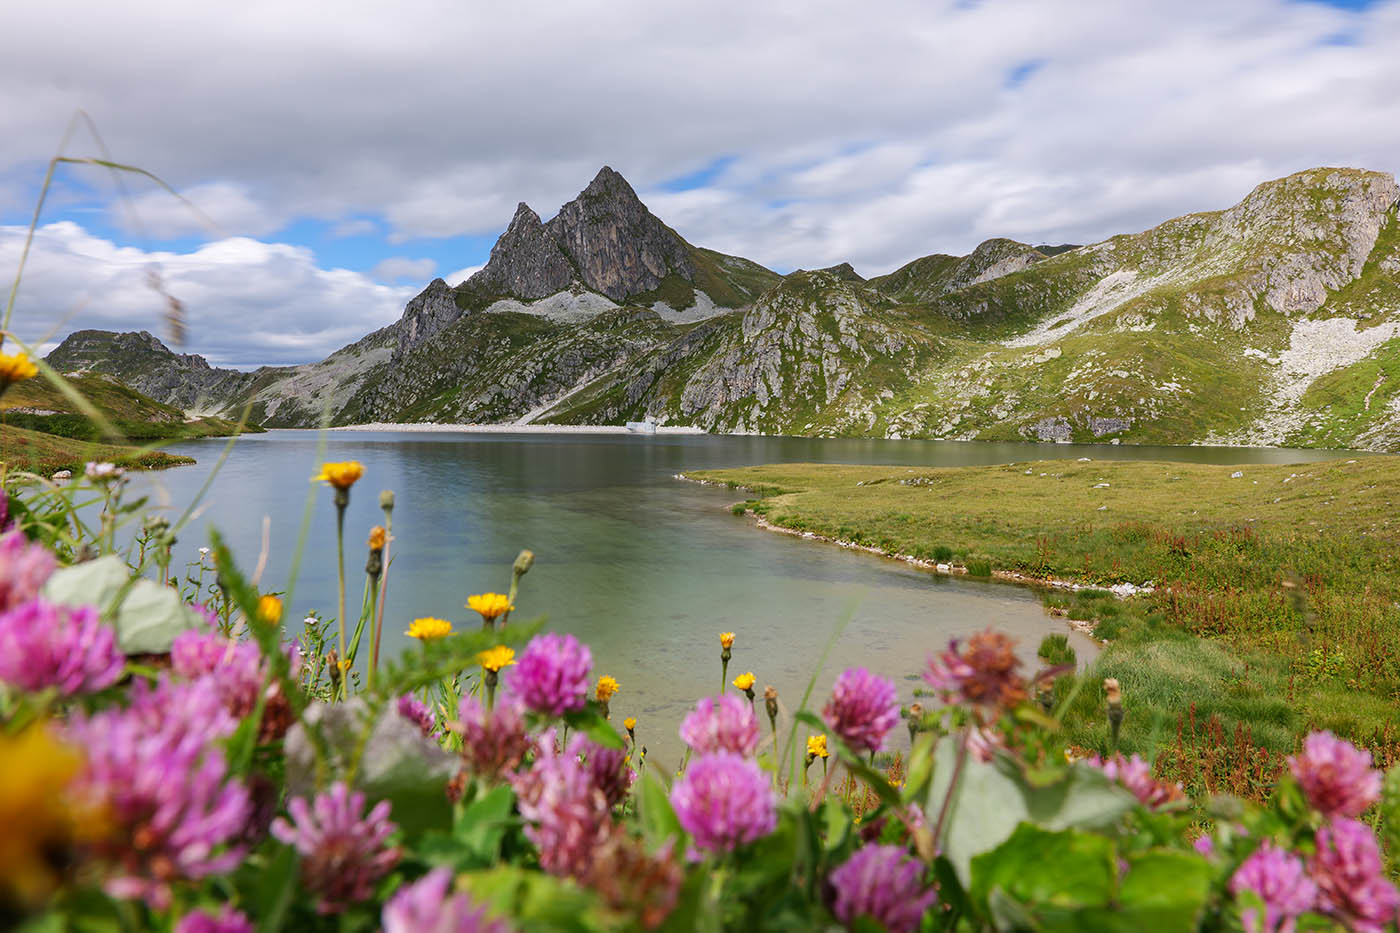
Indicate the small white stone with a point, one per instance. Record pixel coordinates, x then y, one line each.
1237 474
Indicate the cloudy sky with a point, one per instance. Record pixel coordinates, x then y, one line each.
342 154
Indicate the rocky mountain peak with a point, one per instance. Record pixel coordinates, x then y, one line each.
618 246
609 184
428 312
605 238
524 219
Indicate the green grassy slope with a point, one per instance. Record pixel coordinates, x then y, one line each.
1275 591
46 454
38 405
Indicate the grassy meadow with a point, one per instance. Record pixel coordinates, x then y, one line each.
45 454
1276 592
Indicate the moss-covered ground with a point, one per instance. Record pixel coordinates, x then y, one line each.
1276 593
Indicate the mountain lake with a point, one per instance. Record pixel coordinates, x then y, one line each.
644 568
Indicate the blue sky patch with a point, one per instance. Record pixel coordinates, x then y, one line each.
700 178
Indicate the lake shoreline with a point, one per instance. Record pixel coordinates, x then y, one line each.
408 428
1086 627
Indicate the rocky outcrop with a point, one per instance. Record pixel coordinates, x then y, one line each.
526 261
426 314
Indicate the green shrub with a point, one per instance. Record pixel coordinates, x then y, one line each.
1056 650
979 567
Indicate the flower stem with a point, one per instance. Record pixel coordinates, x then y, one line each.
723 674
342 499
826 783
383 589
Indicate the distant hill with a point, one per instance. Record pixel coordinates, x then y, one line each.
1274 321
38 405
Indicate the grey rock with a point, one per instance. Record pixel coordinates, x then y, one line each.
526 261
1050 429
1101 426
426 314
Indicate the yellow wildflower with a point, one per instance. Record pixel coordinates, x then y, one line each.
429 629
607 686
41 823
629 723
816 746
491 606
726 639
269 609
15 367
493 659
376 538
744 681
341 475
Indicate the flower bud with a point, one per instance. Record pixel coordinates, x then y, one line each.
523 562
386 500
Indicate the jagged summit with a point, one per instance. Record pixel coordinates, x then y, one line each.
605 240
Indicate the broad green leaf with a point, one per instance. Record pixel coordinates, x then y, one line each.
146 615
1037 868
1165 889
991 799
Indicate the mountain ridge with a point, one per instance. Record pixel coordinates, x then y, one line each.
1274 320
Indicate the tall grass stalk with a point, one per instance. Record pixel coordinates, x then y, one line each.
386 501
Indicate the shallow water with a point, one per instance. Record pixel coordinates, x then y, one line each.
645 569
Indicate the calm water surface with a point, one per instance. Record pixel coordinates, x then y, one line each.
645 569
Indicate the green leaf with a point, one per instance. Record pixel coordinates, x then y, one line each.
992 798
536 901
146 615
836 823
482 826
590 721
920 771
1036 868
275 890
659 822
1165 889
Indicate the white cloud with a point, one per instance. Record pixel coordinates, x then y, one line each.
401 267
215 209
873 136
461 275
247 303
